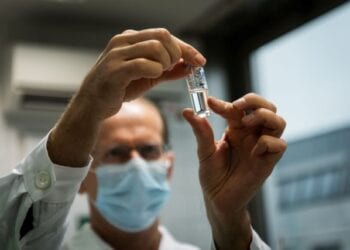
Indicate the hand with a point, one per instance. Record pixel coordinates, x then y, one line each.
134 62
233 168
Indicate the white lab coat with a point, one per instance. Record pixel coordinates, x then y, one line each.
46 187
50 190
87 239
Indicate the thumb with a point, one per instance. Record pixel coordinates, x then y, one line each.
180 70
203 132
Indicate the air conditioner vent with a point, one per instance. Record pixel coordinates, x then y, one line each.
38 102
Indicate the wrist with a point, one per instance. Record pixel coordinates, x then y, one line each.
88 103
71 140
230 230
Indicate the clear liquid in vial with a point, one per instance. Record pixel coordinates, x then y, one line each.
199 102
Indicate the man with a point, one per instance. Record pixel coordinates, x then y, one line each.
38 194
129 179
128 183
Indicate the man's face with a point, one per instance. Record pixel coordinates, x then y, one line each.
136 131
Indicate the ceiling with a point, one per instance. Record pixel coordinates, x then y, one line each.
93 22
120 14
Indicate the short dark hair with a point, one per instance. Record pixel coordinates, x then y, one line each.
165 133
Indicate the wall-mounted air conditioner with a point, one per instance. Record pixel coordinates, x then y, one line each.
44 77
42 80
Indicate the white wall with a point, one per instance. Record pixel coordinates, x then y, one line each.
11 142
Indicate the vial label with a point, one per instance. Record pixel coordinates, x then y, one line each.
198 91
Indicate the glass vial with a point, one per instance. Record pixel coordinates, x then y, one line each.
198 91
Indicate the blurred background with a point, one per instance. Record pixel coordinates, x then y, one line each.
293 52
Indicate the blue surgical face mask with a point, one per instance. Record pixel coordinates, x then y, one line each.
131 195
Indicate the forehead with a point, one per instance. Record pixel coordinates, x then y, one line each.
136 122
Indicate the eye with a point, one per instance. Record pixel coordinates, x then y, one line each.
150 152
118 154
117 151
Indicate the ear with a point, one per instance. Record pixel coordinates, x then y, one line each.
170 157
89 185
87 182
84 185
82 188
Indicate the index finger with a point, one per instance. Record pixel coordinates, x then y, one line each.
190 54
233 112
226 109
253 101
175 47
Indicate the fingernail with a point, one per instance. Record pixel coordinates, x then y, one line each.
240 103
212 99
200 59
213 102
188 67
260 149
223 136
